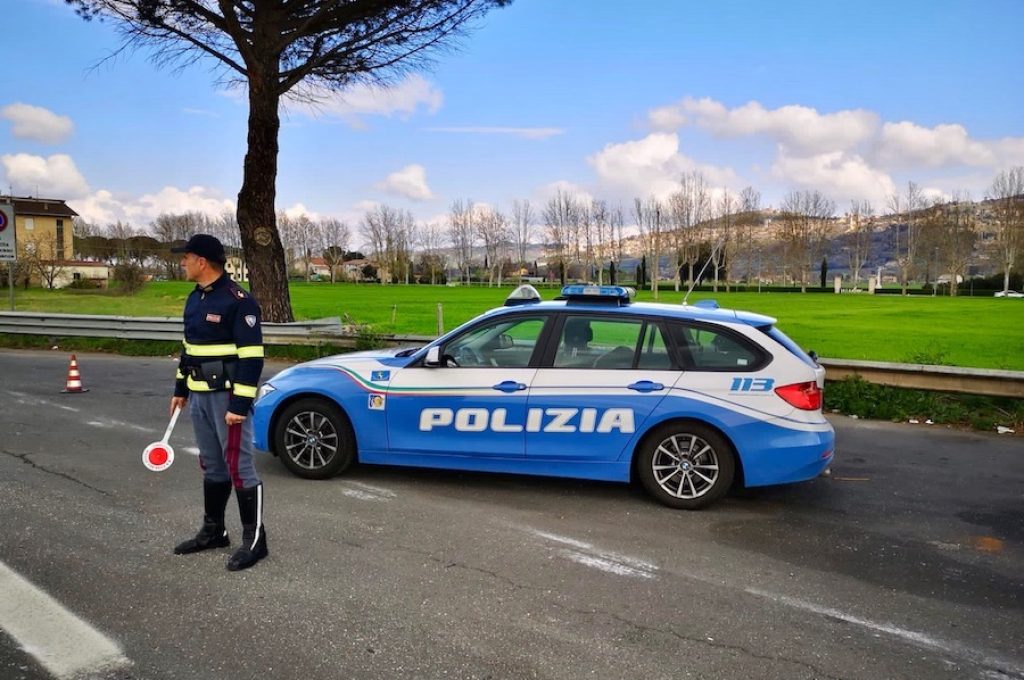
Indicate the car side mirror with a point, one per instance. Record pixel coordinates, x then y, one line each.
433 357
505 341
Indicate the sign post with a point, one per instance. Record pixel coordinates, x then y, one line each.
8 245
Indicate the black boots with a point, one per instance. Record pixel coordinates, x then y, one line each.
213 534
254 534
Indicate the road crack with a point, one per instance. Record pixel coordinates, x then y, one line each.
24 458
818 673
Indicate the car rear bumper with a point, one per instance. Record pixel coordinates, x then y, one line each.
784 455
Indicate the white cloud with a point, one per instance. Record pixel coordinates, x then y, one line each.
651 166
402 100
37 124
55 176
838 175
907 144
572 189
300 209
521 132
104 207
410 181
800 128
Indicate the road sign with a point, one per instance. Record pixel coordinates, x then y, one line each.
8 251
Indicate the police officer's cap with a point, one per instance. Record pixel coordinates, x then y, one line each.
205 246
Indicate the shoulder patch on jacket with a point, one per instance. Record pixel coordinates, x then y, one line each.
239 293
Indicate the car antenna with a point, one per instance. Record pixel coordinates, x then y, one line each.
693 284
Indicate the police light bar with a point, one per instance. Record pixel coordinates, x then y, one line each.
590 293
523 295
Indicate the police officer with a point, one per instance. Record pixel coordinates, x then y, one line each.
220 366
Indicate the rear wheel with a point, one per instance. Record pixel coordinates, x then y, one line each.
686 465
314 439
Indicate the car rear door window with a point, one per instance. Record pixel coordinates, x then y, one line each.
705 347
594 342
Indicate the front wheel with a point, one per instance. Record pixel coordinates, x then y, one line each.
686 465
314 439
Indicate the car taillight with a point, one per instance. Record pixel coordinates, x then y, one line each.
805 396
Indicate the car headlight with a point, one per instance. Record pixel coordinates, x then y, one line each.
265 389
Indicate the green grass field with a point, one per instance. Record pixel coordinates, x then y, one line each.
977 332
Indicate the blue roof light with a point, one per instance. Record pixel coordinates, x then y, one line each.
585 292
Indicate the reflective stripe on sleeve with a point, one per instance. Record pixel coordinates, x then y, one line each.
251 352
198 385
245 390
210 350
178 375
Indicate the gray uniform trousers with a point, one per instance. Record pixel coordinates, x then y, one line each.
225 453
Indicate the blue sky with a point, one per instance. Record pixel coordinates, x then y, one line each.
851 98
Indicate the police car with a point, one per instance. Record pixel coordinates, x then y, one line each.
688 399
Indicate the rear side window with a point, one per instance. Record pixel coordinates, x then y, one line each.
706 347
784 340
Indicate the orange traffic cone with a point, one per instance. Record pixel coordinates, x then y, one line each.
74 383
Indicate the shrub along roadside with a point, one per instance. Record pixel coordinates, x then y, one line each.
851 396
857 397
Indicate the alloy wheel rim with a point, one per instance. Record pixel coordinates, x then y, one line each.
685 466
310 440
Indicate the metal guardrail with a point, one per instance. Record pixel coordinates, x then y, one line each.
984 381
330 331
162 328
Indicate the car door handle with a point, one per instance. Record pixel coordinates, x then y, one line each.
510 386
646 386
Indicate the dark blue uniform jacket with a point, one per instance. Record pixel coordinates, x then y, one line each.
223 346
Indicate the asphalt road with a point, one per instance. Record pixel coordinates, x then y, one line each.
908 562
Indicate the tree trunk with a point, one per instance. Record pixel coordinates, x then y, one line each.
257 222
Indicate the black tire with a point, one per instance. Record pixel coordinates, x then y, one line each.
314 439
686 465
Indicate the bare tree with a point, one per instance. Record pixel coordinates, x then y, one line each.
1007 196
301 237
603 239
690 208
907 230
806 224
957 237
462 234
746 222
492 228
522 219
273 46
724 241
388 231
333 236
431 241
651 220
40 253
861 213
559 217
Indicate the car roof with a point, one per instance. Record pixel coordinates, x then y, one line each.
683 312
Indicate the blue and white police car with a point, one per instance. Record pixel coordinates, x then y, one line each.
688 399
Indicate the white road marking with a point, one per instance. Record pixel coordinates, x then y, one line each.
367 492
118 424
194 450
1007 668
379 490
29 399
64 644
586 554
